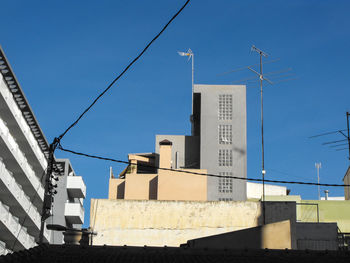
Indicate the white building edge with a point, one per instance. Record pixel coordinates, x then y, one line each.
23 160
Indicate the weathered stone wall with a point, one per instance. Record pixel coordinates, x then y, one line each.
171 223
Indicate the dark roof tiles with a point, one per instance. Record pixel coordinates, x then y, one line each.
109 254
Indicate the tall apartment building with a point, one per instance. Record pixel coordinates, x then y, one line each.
218 142
23 160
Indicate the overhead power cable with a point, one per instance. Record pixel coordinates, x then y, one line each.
195 173
122 73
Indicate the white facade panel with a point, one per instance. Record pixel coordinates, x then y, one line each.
74 213
76 187
255 190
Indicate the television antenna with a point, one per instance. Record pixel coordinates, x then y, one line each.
338 145
261 79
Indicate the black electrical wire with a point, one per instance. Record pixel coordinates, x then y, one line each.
122 73
195 173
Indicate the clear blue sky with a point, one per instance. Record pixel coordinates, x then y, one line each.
65 52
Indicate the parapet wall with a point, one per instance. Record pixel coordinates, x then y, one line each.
171 223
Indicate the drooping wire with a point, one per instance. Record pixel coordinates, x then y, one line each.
196 173
122 73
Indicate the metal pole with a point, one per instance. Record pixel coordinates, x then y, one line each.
347 120
192 79
261 78
45 213
262 137
318 166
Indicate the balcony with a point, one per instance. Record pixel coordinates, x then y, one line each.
74 213
11 231
13 196
17 163
76 187
20 128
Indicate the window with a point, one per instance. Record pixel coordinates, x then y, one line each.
225 157
225 107
225 199
225 134
225 184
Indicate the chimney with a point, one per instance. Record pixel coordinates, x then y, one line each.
326 194
165 154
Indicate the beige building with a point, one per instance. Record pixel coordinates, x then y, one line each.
143 181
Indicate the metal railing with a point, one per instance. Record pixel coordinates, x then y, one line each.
343 240
317 212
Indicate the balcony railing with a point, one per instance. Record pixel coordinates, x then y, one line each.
21 159
13 230
16 197
22 124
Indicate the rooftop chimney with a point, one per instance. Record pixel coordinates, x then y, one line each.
326 194
165 154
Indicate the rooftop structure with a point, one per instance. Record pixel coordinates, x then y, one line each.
218 141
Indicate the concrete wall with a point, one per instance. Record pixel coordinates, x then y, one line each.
116 188
171 223
329 211
272 236
182 186
185 150
319 236
255 190
209 141
139 187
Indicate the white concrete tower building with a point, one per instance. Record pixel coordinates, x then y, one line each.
23 160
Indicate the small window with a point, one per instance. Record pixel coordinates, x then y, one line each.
225 107
225 157
225 134
225 199
225 183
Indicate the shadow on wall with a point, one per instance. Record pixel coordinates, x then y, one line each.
192 152
120 190
276 212
239 150
278 232
153 188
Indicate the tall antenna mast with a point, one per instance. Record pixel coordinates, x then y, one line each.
190 55
347 121
261 78
318 166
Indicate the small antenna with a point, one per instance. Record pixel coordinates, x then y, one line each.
318 166
336 143
254 48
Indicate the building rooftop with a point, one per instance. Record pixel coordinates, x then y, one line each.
106 254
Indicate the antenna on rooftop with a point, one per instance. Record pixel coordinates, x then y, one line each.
261 78
335 144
